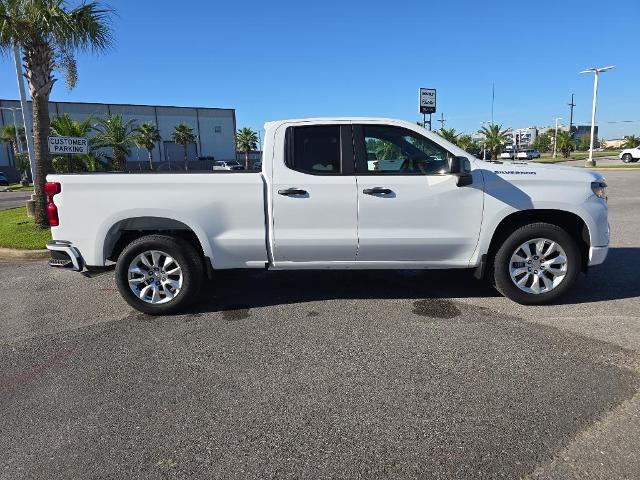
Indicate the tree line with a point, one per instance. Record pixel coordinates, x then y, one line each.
111 143
496 138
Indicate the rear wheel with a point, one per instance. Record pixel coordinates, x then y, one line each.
159 274
626 158
536 264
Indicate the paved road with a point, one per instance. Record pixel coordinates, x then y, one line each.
325 374
13 199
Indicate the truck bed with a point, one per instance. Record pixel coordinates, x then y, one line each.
226 212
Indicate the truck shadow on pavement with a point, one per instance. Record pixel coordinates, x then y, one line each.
245 289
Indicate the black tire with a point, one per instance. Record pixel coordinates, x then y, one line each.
187 257
501 263
626 158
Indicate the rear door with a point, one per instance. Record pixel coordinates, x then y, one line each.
314 195
410 208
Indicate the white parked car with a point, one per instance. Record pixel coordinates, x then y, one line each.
227 165
506 155
630 154
319 203
528 154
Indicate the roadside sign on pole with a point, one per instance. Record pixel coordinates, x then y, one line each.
68 145
427 100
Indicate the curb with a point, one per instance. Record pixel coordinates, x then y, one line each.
16 254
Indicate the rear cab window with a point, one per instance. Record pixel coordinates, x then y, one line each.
314 149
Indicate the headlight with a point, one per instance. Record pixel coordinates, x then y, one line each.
599 189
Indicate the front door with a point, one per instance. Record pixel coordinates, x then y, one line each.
410 209
314 196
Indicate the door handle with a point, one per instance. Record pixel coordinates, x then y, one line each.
377 191
292 191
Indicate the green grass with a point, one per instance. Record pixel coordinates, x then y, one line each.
17 230
16 187
585 155
548 158
545 159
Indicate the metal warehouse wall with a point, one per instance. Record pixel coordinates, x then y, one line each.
214 127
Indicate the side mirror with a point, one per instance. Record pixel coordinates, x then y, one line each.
461 168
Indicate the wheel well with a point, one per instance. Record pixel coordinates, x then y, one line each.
570 222
125 231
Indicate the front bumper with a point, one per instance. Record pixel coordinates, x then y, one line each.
65 255
597 255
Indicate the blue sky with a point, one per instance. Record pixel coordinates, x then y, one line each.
282 59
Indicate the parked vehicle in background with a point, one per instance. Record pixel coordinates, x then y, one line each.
528 154
320 203
227 165
386 164
506 155
630 155
3 179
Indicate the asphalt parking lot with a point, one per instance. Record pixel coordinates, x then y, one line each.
377 374
13 199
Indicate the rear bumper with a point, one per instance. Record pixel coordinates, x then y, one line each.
65 255
597 255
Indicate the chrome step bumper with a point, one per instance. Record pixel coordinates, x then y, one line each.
65 255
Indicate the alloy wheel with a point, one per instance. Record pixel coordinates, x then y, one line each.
538 266
155 277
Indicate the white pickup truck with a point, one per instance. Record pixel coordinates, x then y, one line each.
319 202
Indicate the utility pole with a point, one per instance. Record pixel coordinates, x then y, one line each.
571 116
442 121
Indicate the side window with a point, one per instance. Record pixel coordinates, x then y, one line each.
395 150
314 150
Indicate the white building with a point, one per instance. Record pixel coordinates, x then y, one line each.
214 129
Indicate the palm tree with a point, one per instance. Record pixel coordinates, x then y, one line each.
49 33
630 141
183 135
65 126
8 137
449 134
147 135
494 138
118 135
246 141
465 142
565 143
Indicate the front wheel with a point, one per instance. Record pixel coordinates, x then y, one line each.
159 274
536 264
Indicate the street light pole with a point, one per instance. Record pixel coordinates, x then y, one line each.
555 139
26 112
597 71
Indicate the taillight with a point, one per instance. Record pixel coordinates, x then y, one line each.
52 189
